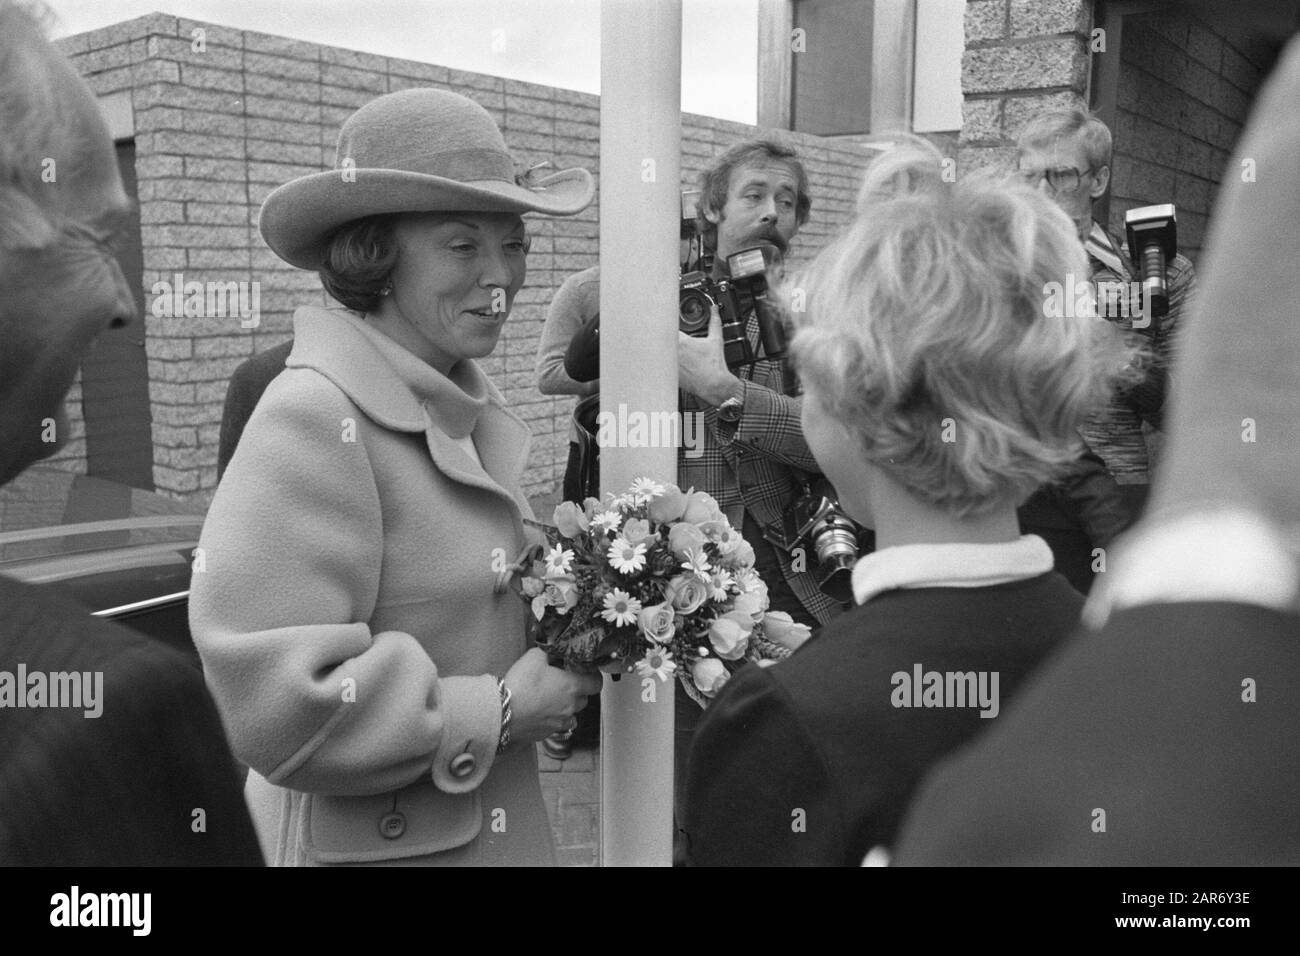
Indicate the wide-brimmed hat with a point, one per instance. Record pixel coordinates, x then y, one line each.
419 150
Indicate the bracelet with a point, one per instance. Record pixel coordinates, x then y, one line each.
506 714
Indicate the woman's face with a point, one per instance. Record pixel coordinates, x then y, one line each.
454 283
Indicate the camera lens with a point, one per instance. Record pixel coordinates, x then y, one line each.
694 309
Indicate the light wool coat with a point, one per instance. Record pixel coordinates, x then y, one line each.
345 610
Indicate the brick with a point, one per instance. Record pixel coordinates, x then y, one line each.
1038 65
985 20
1193 194
159 117
186 98
216 214
113 81
148 167
162 212
345 96
181 50
170 393
282 66
104 58
981 119
1044 17
521 119
276 108
579 114
170 473
201 144
174 436
213 34
285 132
212 391
217 124
265 150
215 191
1239 71
331 74
163 259
241 347
281 89
280 47
156 348
1019 110
230 81
422 74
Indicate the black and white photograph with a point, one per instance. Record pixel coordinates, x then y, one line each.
651 433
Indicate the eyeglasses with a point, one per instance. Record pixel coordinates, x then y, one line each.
1060 180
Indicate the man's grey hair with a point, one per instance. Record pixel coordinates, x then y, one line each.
1052 126
34 126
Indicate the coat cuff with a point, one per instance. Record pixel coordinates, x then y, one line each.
471 708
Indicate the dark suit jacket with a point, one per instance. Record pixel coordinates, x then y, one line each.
810 762
1144 720
123 788
246 386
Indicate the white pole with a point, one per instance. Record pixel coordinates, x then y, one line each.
640 211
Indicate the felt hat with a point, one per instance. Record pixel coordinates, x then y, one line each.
420 150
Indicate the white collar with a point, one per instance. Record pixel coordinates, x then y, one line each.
950 566
1228 555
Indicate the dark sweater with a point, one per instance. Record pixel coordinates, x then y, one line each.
247 384
810 763
122 788
1146 721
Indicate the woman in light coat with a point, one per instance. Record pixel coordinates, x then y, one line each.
344 600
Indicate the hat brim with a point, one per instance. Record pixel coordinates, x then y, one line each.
299 216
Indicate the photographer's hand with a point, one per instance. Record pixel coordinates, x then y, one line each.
702 366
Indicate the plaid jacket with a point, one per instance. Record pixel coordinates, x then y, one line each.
759 463
1116 432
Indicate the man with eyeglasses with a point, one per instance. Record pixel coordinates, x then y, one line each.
1067 153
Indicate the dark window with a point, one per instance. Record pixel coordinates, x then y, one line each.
831 79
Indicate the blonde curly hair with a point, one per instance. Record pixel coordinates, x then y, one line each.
927 333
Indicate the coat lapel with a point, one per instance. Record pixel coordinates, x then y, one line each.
502 442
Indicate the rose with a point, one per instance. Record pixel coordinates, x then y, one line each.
728 638
686 593
743 556
656 622
751 604
722 534
570 519
532 586
668 506
560 593
782 629
683 537
701 507
591 507
709 675
636 530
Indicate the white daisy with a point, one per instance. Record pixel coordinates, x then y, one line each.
625 556
643 490
606 521
718 583
697 561
621 608
559 560
658 662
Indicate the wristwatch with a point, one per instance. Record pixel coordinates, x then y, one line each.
729 411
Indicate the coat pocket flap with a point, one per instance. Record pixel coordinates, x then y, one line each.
418 820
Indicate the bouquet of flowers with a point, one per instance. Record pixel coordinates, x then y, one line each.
654 582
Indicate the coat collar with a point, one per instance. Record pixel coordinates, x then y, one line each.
399 391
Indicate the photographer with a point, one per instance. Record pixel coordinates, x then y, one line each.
1067 154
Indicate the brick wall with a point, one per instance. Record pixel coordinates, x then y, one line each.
1022 56
1185 89
217 129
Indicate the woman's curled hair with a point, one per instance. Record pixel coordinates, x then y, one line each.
933 336
358 260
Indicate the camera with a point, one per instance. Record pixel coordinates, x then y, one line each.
735 295
1152 233
816 520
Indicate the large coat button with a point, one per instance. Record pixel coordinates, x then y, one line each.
392 825
462 765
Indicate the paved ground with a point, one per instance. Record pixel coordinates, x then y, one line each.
571 789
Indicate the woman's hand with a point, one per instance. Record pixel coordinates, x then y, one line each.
544 699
